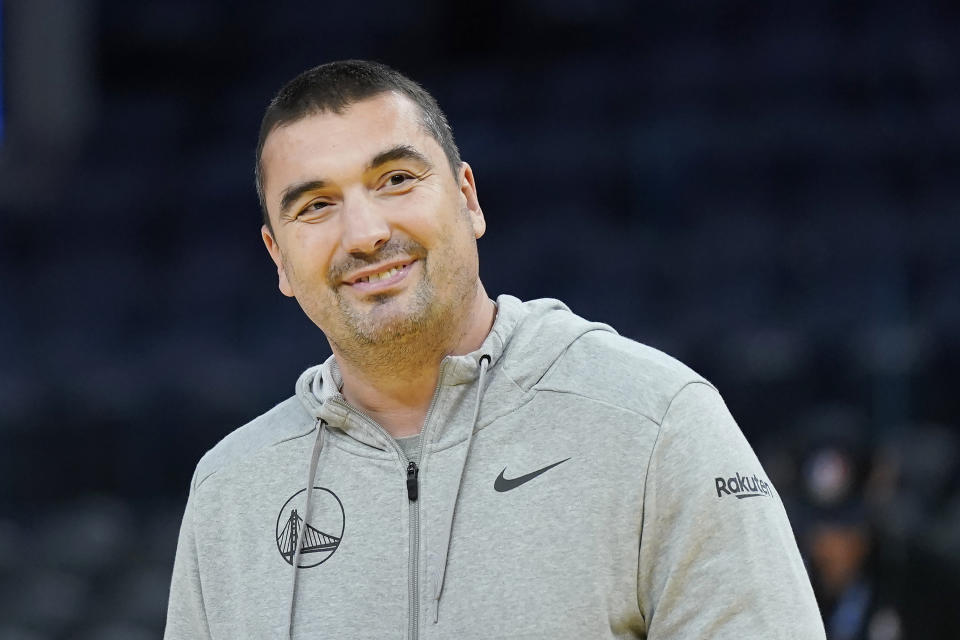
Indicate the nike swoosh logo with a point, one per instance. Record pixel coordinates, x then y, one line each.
502 484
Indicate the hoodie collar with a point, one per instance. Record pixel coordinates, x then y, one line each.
524 342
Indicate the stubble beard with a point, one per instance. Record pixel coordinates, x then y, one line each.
391 334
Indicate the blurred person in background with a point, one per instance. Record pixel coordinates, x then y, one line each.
846 580
871 582
857 599
462 467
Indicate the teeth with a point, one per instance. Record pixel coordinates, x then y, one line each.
389 273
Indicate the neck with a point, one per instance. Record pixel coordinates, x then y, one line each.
394 384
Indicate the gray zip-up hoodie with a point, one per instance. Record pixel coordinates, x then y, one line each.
570 483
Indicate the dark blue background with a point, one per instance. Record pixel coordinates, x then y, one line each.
768 191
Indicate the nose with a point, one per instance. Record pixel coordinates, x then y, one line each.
364 228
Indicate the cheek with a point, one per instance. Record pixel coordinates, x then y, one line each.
312 248
427 215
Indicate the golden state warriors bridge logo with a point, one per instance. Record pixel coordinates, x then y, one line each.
321 536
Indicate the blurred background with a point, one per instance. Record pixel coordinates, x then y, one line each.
767 191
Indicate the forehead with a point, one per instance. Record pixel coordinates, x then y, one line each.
323 145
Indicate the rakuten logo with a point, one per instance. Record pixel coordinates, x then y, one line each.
741 487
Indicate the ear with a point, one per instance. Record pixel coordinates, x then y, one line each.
468 189
274 250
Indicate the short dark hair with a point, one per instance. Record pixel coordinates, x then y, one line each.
335 86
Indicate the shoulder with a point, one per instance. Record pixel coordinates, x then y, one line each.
286 421
609 368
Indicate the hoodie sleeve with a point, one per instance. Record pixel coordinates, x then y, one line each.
718 558
186 615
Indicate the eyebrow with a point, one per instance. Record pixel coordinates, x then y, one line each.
400 152
292 193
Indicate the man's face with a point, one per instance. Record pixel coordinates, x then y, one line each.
372 233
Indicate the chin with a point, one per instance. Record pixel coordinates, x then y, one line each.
389 320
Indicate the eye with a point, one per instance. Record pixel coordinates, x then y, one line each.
313 208
397 182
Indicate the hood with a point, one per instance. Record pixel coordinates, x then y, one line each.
526 340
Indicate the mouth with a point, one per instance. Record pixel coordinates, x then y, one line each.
380 277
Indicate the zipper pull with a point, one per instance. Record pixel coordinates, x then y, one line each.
412 488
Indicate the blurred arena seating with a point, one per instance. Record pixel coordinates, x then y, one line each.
767 192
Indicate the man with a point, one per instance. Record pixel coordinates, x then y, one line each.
462 468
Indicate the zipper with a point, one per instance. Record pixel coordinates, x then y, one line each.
413 568
412 489
412 476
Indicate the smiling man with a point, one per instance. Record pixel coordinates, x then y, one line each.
375 236
459 467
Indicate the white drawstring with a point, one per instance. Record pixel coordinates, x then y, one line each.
484 361
311 477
